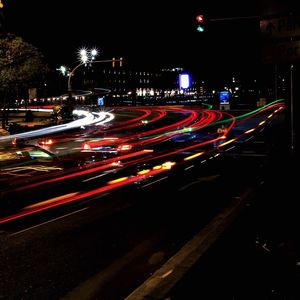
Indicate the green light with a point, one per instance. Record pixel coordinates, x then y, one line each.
200 28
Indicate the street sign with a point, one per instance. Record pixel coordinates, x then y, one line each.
284 52
280 27
225 97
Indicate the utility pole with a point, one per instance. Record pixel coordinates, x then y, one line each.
1 17
292 110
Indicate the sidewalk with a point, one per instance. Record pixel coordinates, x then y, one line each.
259 256
256 257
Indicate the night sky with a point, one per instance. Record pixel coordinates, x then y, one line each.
146 33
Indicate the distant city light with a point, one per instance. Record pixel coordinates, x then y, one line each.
63 70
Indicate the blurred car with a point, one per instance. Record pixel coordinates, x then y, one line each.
107 147
17 156
27 162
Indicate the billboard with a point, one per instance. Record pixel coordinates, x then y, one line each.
184 81
100 101
224 97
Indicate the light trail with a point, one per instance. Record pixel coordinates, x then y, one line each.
195 121
88 118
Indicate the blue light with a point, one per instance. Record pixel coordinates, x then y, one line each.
100 101
225 97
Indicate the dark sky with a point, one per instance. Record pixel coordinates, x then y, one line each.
146 33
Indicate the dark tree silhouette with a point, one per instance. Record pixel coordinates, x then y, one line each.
21 67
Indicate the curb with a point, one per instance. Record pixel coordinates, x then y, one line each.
164 279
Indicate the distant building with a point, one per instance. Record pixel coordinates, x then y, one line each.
134 86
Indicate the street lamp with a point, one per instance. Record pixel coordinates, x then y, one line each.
86 57
63 70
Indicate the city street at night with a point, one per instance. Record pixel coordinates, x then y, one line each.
148 150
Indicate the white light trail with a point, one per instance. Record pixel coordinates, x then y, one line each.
88 118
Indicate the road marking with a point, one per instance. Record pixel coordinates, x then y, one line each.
155 181
35 226
199 180
89 289
95 177
187 168
159 284
230 148
250 138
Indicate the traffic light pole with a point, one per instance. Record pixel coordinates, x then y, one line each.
236 18
200 19
69 81
292 110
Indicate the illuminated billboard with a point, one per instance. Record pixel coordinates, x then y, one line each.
184 81
100 101
224 97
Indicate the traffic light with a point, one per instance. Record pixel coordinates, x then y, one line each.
113 61
121 61
200 23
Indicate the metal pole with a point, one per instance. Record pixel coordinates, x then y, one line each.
69 81
91 62
292 110
275 82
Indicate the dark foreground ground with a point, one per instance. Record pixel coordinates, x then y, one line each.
259 255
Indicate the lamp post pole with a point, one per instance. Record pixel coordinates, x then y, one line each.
86 56
71 73
69 80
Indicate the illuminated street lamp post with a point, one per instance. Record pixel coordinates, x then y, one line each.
85 57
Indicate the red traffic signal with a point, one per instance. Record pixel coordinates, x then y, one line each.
200 23
200 18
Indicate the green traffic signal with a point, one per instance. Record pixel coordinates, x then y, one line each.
200 28
200 23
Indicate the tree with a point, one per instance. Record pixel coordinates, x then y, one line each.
21 67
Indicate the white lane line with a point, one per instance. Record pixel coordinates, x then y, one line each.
32 227
155 181
160 283
187 168
230 148
95 177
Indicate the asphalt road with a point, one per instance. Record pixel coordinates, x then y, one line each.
106 247
119 239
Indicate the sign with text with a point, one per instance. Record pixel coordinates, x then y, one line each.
184 81
284 27
225 97
284 52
